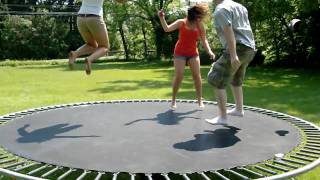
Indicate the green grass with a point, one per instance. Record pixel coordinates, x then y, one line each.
29 84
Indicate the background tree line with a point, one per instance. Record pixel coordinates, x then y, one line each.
134 28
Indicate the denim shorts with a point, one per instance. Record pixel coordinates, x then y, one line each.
185 58
221 73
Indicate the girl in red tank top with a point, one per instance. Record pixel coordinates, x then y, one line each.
190 30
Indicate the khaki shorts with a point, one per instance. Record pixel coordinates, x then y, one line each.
93 28
221 73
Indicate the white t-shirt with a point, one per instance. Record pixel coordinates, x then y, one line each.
91 7
230 13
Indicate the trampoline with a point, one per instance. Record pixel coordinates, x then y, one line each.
144 139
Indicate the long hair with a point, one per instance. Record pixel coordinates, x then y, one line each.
198 11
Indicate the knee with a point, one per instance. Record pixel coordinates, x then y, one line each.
178 78
237 82
196 77
92 44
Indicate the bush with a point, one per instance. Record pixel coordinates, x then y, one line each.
32 38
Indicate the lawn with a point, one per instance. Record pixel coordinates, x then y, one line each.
32 84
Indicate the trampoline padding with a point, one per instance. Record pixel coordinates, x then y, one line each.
146 137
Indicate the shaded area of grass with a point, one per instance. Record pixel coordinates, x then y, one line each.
35 84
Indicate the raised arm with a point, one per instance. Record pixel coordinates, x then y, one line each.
168 28
204 40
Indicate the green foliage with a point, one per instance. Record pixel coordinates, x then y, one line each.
32 38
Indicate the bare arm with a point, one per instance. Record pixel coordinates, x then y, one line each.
231 42
204 41
168 28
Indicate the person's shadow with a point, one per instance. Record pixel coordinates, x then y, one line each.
169 117
219 138
47 133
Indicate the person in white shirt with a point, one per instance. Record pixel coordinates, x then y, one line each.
93 31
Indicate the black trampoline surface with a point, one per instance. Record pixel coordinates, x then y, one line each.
146 137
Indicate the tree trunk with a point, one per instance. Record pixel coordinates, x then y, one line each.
145 43
124 42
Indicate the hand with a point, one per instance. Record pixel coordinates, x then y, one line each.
235 63
161 13
212 55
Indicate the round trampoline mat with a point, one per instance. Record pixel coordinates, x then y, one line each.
146 137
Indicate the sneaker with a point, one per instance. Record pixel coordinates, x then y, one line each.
217 121
235 112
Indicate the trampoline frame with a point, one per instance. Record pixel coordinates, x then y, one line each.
308 155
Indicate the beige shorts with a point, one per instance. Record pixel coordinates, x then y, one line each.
93 28
221 73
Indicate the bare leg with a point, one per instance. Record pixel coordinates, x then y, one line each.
238 97
100 34
221 96
179 66
196 75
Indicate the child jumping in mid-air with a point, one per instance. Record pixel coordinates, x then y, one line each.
191 29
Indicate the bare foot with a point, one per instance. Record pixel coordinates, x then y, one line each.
72 59
173 105
87 64
201 105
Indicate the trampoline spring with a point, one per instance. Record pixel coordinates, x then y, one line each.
3 156
132 176
312 131
7 161
99 175
308 129
250 171
308 151
313 134
286 164
13 165
204 176
185 176
149 176
314 142
314 139
312 148
38 169
83 175
294 161
306 155
301 158
115 175
313 145
65 174
26 166
166 176
220 175
265 170
277 167
237 174
50 172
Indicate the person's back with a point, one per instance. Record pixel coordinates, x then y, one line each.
237 16
91 7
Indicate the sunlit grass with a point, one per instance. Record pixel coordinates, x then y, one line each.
30 84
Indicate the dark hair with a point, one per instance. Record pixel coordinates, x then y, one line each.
197 11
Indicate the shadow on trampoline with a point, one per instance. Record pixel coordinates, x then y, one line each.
282 132
169 117
47 133
219 138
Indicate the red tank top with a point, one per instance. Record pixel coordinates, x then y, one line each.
187 42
